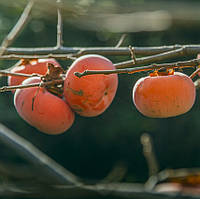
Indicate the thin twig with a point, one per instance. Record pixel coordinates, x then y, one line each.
149 154
195 73
40 84
121 40
57 56
35 156
116 174
183 64
8 73
17 28
134 61
59 26
150 59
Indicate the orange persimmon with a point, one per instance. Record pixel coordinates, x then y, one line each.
38 66
90 95
43 110
162 96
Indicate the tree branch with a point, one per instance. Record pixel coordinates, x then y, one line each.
149 154
40 84
79 51
59 26
181 64
38 158
195 73
121 40
8 73
150 59
17 28
56 56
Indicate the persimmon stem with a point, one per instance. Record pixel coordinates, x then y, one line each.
40 84
183 64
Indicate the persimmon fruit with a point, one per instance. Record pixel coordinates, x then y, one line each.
38 66
43 110
90 95
164 95
198 57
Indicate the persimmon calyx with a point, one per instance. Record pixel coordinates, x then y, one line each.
162 73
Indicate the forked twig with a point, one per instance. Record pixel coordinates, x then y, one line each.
150 59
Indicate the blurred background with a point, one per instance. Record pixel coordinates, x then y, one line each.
92 147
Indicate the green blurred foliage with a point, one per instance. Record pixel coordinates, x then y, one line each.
93 146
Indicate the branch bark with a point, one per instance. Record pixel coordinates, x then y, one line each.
183 64
38 158
40 84
79 51
59 26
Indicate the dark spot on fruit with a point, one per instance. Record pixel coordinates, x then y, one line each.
106 93
22 104
77 108
75 92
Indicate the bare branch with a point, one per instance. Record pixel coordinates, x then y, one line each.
35 156
195 73
17 28
149 154
8 73
56 56
116 174
150 59
40 84
79 51
183 64
100 191
132 51
59 26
